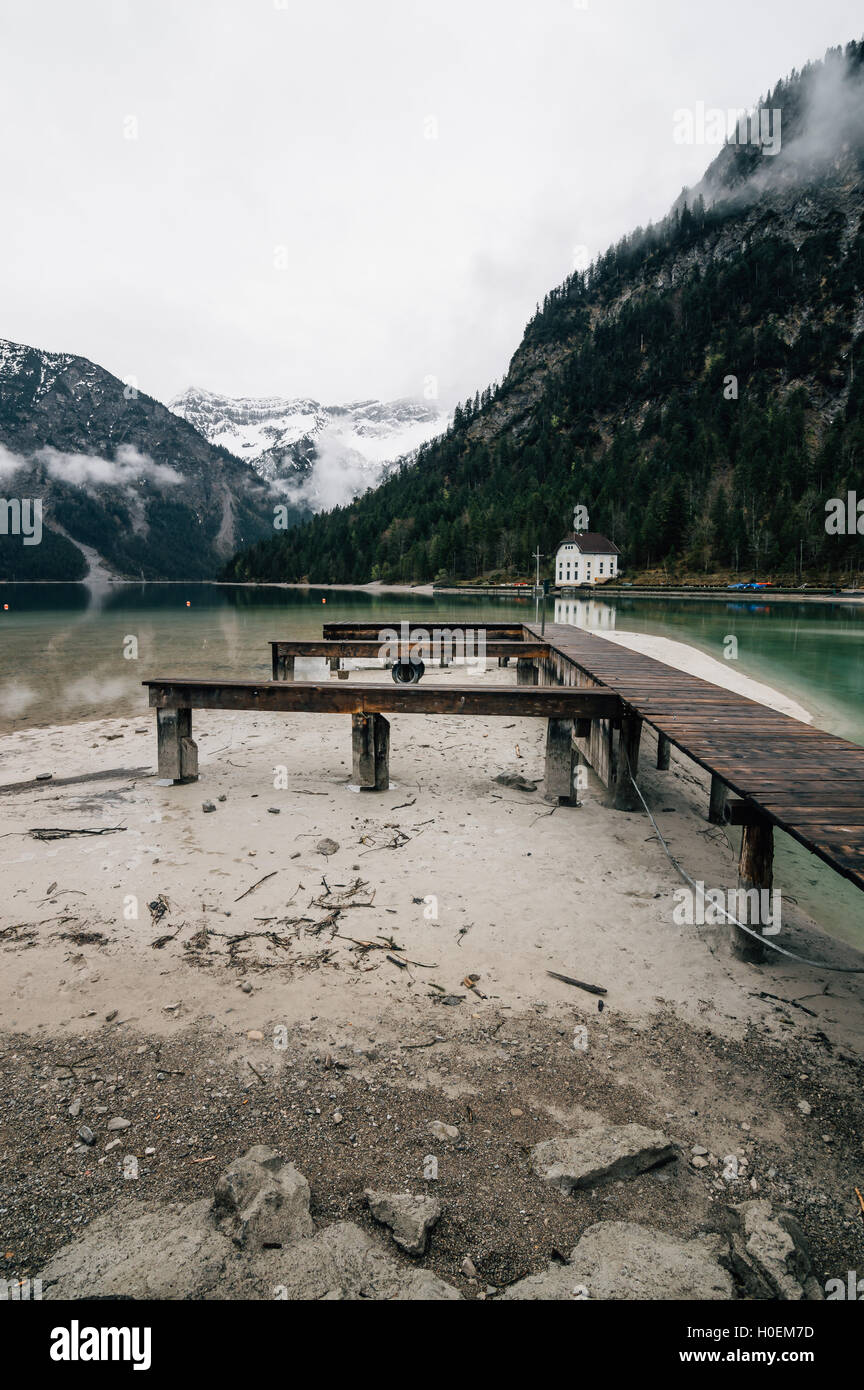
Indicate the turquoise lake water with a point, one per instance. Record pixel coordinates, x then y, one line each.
63 658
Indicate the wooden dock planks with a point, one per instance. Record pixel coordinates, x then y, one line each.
809 783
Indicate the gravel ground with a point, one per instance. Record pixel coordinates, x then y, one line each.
355 1116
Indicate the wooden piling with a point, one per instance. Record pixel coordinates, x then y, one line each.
177 753
755 870
526 671
370 749
561 759
283 666
664 749
626 798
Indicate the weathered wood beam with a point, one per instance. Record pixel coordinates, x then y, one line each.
755 870
177 754
561 761
370 751
598 747
664 749
526 671
737 812
282 663
512 631
547 702
372 648
626 798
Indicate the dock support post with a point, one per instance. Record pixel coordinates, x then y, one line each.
626 798
664 748
526 671
561 761
334 664
755 870
717 802
370 750
283 667
176 752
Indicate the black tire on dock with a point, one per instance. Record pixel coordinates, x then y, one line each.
408 672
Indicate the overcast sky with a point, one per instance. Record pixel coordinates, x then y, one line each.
344 198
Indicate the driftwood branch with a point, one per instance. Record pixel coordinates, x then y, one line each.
579 984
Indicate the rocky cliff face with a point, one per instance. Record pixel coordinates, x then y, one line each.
126 486
791 211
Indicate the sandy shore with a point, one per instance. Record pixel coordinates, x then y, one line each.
373 587
432 925
686 658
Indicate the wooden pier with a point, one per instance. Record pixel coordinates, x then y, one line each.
785 773
284 653
807 782
174 700
596 697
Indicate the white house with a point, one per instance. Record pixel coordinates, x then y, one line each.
586 557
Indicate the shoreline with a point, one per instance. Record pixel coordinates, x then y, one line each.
373 587
69 746
400 941
429 590
597 593
682 655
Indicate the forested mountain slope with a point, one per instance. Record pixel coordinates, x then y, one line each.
700 388
127 488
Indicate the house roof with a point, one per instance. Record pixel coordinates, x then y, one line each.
590 543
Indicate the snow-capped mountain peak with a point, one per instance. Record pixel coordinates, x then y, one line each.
327 453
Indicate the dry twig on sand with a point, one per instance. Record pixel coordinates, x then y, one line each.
256 885
332 898
53 832
579 984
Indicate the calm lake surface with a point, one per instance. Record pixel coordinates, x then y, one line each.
62 658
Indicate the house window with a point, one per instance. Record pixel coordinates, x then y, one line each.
601 566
